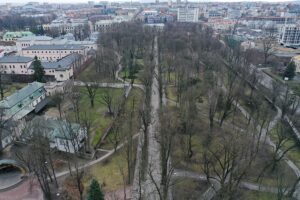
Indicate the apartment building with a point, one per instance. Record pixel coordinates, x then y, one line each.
54 52
290 35
187 14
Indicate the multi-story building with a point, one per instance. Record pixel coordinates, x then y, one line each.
290 35
28 41
53 52
64 25
187 14
60 70
25 42
23 101
296 60
15 64
63 69
108 24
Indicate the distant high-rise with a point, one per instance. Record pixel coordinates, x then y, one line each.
187 14
169 2
178 1
156 1
290 35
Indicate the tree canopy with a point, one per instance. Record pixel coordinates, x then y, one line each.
290 70
95 192
38 70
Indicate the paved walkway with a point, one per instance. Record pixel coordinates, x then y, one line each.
153 177
91 163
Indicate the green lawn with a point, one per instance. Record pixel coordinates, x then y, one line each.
251 195
89 72
98 114
293 154
108 173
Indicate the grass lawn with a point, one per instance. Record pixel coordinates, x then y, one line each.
171 93
293 154
107 173
124 74
100 121
251 195
89 72
133 102
188 188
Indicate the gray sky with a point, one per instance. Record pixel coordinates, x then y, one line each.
85 1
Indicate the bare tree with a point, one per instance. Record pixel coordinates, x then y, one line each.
268 43
107 99
91 91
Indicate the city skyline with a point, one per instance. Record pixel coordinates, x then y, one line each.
142 1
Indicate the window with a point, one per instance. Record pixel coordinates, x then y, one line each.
13 66
61 75
45 51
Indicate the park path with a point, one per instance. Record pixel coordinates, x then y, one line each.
153 177
178 173
91 163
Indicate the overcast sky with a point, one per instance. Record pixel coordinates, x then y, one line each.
85 1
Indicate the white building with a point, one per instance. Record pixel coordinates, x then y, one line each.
25 42
60 70
296 60
290 35
63 136
187 14
15 64
28 41
65 25
108 24
54 52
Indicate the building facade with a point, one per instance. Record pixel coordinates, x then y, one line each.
12 36
53 53
187 14
23 101
290 35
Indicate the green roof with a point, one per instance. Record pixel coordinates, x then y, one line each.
54 128
21 94
17 34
